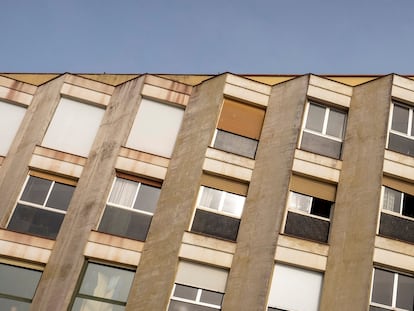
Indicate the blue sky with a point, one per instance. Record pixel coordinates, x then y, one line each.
210 36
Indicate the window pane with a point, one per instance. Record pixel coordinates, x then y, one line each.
391 200
210 198
10 118
321 145
321 207
401 144
236 144
408 205
19 282
300 202
13 305
82 304
36 190
36 221
383 287
316 116
405 292
211 297
106 282
60 196
400 119
184 306
186 292
123 192
336 123
233 204
147 198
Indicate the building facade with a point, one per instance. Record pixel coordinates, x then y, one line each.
190 192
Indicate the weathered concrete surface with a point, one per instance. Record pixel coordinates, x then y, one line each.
159 259
251 271
63 270
34 125
348 273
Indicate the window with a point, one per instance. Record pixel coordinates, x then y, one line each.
155 128
17 287
398 202
73 127
309 205
218 213
198 288
41 207
129 208
401 129
295 289
239 128
11 117
323 130
103 288
392 290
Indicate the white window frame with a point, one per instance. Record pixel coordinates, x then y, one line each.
298 211
197 300
408 134
394 292
219 210
399 213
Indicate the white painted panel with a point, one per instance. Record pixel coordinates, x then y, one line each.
73 127
10 118
295 289
201 276
155 128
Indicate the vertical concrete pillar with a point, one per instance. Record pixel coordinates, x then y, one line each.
251 271
349 268
62 272
34 125
159 258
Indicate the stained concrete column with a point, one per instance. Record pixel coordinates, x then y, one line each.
62 272
34 125
251 271
155 276
348 273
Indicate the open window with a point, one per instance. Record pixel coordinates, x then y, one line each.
42 205
239 127
323 130
401 129
130 207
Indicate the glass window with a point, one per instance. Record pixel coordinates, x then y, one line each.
11 116
103 288
398 202
310 205
392 290
155 128
221 201
129 209
41 207
323 130
17 287
401 131
73 127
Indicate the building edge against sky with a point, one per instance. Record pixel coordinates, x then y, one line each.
232 192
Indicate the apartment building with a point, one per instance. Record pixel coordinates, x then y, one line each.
198 192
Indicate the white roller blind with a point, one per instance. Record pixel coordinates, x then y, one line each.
10 118
295 289
73 127
201 276
155 128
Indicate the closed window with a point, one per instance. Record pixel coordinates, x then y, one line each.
323 130
17 287
11 117
295 289
103 288
155 128
392 291
239 127
401 129
73 127
198 288
41 207
218 213
129 208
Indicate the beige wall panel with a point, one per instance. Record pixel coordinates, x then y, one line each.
304 245
246 95
24 252
144 157
399 169
85 94
15 96
227 169
405 95
17 85
318 159
324 95
141 168
248 84
55 166
205 255
168 84
164 95
112 254
393 259
89 84
226 157
403 82
394 246
300 258
315 170
330 85
313 187
209 242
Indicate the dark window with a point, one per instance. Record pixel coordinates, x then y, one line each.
214 224
236 144
396 227
401 133
398 202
